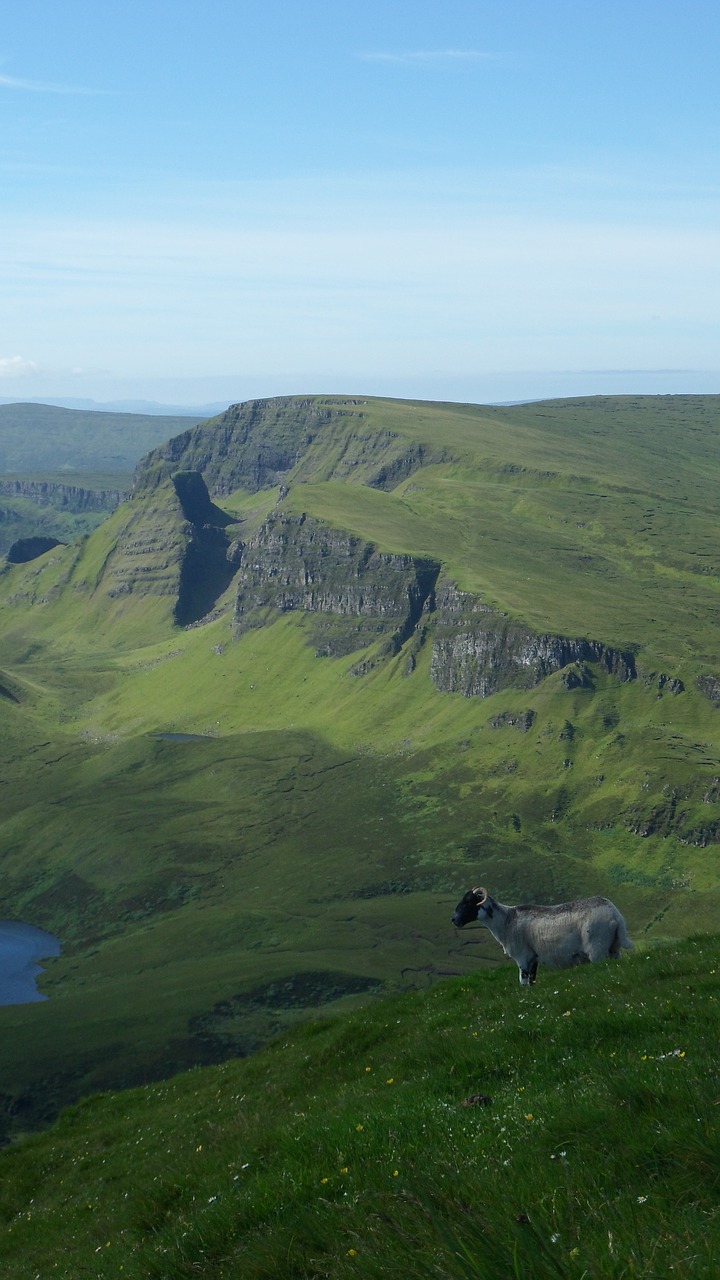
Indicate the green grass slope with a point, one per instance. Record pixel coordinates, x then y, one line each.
475 1131
303 840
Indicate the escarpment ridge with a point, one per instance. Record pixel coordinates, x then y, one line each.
356 590
331 660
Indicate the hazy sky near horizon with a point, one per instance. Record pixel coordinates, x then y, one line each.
467 199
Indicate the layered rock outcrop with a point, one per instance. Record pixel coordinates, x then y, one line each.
260 443
353 592
174 543
64 497
477 651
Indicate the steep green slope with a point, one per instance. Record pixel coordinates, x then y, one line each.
475 1131
422 646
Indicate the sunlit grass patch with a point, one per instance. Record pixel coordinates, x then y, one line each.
471 1131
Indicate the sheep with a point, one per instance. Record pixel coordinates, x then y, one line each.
570 933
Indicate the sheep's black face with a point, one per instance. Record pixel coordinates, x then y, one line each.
466 910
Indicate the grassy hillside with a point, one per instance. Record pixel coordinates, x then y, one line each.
301 837
98 449
475 1131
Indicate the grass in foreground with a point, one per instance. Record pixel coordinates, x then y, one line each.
346 1151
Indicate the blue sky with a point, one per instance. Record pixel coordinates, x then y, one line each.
463 200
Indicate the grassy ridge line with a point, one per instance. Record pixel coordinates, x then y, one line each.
564 560
654 443
625 554
591 1145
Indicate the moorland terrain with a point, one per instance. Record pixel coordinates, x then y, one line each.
473 1131
333 660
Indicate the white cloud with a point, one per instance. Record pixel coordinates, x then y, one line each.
16 367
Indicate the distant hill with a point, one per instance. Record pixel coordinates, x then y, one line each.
129 406
63 469
46 438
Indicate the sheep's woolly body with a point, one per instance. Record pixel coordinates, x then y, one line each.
561 937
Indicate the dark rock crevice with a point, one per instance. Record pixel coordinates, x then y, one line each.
207 567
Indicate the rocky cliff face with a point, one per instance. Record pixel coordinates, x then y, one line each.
264 442
353 592
64 497
477 652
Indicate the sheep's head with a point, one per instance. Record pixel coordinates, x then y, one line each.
468 908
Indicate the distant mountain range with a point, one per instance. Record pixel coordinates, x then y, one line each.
127 406
61 466
39 438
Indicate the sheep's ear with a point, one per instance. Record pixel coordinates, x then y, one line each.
480 895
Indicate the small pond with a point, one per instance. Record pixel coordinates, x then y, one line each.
21 946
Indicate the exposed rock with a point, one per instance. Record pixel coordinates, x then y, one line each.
258 444
576 677
477 652
65 497
522 720
710 687
354 592
664 683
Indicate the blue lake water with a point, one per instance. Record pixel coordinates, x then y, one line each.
21 946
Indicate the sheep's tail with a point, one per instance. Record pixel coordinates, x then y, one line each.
621 939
